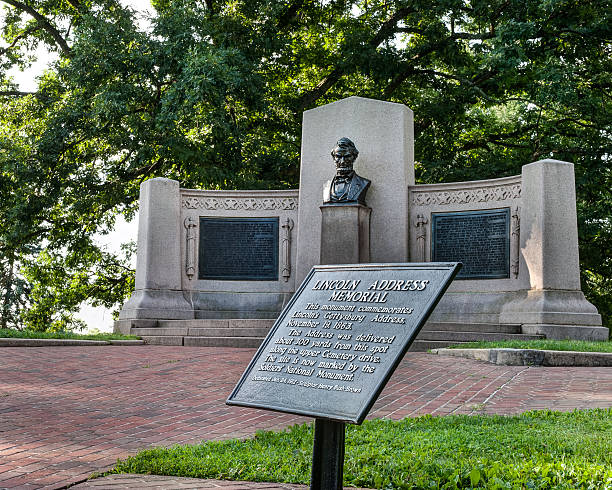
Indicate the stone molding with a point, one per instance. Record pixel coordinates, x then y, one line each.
236 202
466 192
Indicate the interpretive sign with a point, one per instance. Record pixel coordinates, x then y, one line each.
238 249
338 341
480 240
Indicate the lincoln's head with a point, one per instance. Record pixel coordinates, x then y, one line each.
344 154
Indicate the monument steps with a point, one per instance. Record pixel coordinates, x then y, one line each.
471 327
223 341
216 323
163 339
250 333
229 332
203 332
187 341
473 336
425 345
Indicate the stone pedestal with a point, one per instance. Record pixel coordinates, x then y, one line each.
551 301
158 292
345 234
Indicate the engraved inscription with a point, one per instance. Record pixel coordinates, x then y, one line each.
238 249
478 239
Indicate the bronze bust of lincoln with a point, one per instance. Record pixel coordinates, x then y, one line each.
346 187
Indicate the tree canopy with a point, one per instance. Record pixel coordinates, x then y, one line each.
212 95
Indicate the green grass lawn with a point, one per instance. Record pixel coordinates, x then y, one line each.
29 334
544 344
532 450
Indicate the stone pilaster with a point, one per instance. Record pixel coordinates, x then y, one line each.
551 302
158 291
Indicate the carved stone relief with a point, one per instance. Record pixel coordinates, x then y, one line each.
466 196
516 235
190 236
421 235
286 247
239 203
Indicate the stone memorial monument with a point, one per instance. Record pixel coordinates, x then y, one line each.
209 259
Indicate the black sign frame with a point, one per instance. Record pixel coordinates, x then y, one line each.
448 272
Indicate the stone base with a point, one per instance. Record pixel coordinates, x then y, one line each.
156 304
550 307
564 332
465 307
554 314
124 327
229 304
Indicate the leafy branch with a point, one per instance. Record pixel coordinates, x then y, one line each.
44 23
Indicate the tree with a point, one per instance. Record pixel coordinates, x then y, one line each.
213 97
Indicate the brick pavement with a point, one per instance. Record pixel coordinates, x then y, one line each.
66 412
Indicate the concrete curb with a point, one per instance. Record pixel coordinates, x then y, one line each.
532 357
14 342
133 481
127 342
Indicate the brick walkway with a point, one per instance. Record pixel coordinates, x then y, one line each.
66 412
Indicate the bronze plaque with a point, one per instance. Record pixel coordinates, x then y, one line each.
480 240
238 249
341 337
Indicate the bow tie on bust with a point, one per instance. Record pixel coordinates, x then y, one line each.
342 180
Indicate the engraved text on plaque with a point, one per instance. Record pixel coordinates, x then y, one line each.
478 239
339 339
238 249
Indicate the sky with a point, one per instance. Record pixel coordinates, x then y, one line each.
96 318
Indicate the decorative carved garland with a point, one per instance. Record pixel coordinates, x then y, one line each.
466 196
240 203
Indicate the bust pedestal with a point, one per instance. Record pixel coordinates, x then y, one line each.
345 234
345 239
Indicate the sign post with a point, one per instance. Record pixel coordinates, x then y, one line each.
335 346
327 455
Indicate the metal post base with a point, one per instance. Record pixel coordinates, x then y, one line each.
327 455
